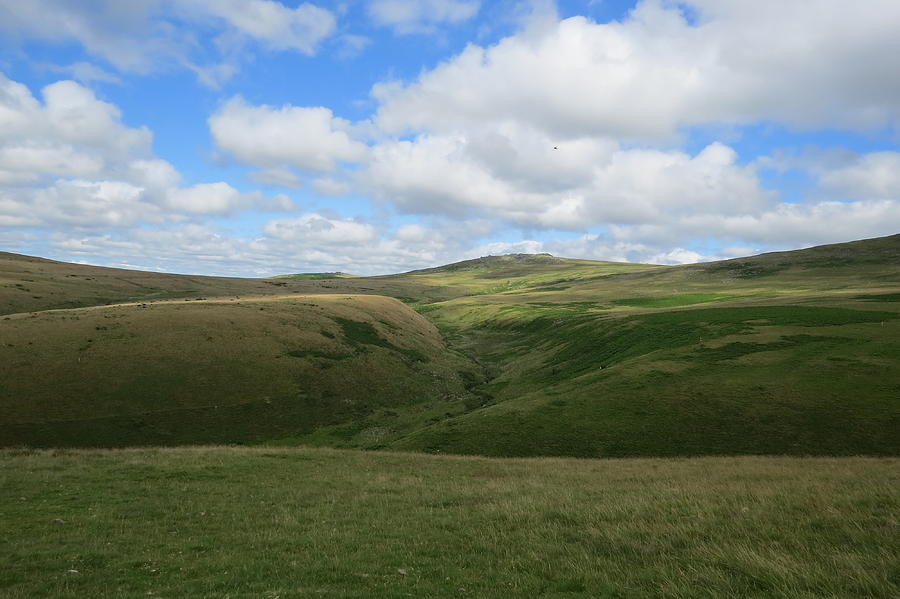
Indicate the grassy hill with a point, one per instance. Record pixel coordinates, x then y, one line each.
787 353
784 353
227 371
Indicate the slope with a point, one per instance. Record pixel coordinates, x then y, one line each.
220 370
788 353
30 284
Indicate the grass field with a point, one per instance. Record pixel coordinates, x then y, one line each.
291 523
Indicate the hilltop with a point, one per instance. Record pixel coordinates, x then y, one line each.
783 353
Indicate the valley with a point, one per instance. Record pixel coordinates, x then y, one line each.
793 353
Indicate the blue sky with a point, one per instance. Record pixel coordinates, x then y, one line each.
256 137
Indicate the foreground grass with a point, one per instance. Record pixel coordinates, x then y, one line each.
230 522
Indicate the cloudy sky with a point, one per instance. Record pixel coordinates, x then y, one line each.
256 137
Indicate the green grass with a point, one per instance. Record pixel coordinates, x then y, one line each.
752 379
241 523
881 297
672 301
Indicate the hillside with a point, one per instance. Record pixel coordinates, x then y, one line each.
224 371
31 284
786 353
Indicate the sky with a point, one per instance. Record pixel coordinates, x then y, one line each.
258 137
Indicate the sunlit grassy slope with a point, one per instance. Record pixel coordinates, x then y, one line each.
221 370
790 353
296 523
786 353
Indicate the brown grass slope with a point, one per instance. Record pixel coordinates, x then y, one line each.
30 284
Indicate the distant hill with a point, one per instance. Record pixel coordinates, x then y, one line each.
782 353
28 283
316 275
494 262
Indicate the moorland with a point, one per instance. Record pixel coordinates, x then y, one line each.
185 436
792 353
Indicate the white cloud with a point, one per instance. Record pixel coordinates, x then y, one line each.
871 176
281 28
144 36
22 163
580 185
70 161
77 203
280 176
310 139
821 62
783 225
70 114
312 242
128 35
420 16
811 224
210 198
314 228
676 256
326 186
413 233
85 72
153 173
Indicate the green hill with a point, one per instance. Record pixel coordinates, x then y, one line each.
226 371
784 353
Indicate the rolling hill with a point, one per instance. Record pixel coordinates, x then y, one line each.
232 371
521 355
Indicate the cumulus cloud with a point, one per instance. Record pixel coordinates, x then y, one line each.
571 125
77 203
301 28
307 138
70 115
420 16
598 183
873 176
211 198
782 225
311 242
314 228
567 125
123 37
802 64
144 36
68 160
326 186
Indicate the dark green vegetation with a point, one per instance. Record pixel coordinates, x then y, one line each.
292 523
786 353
